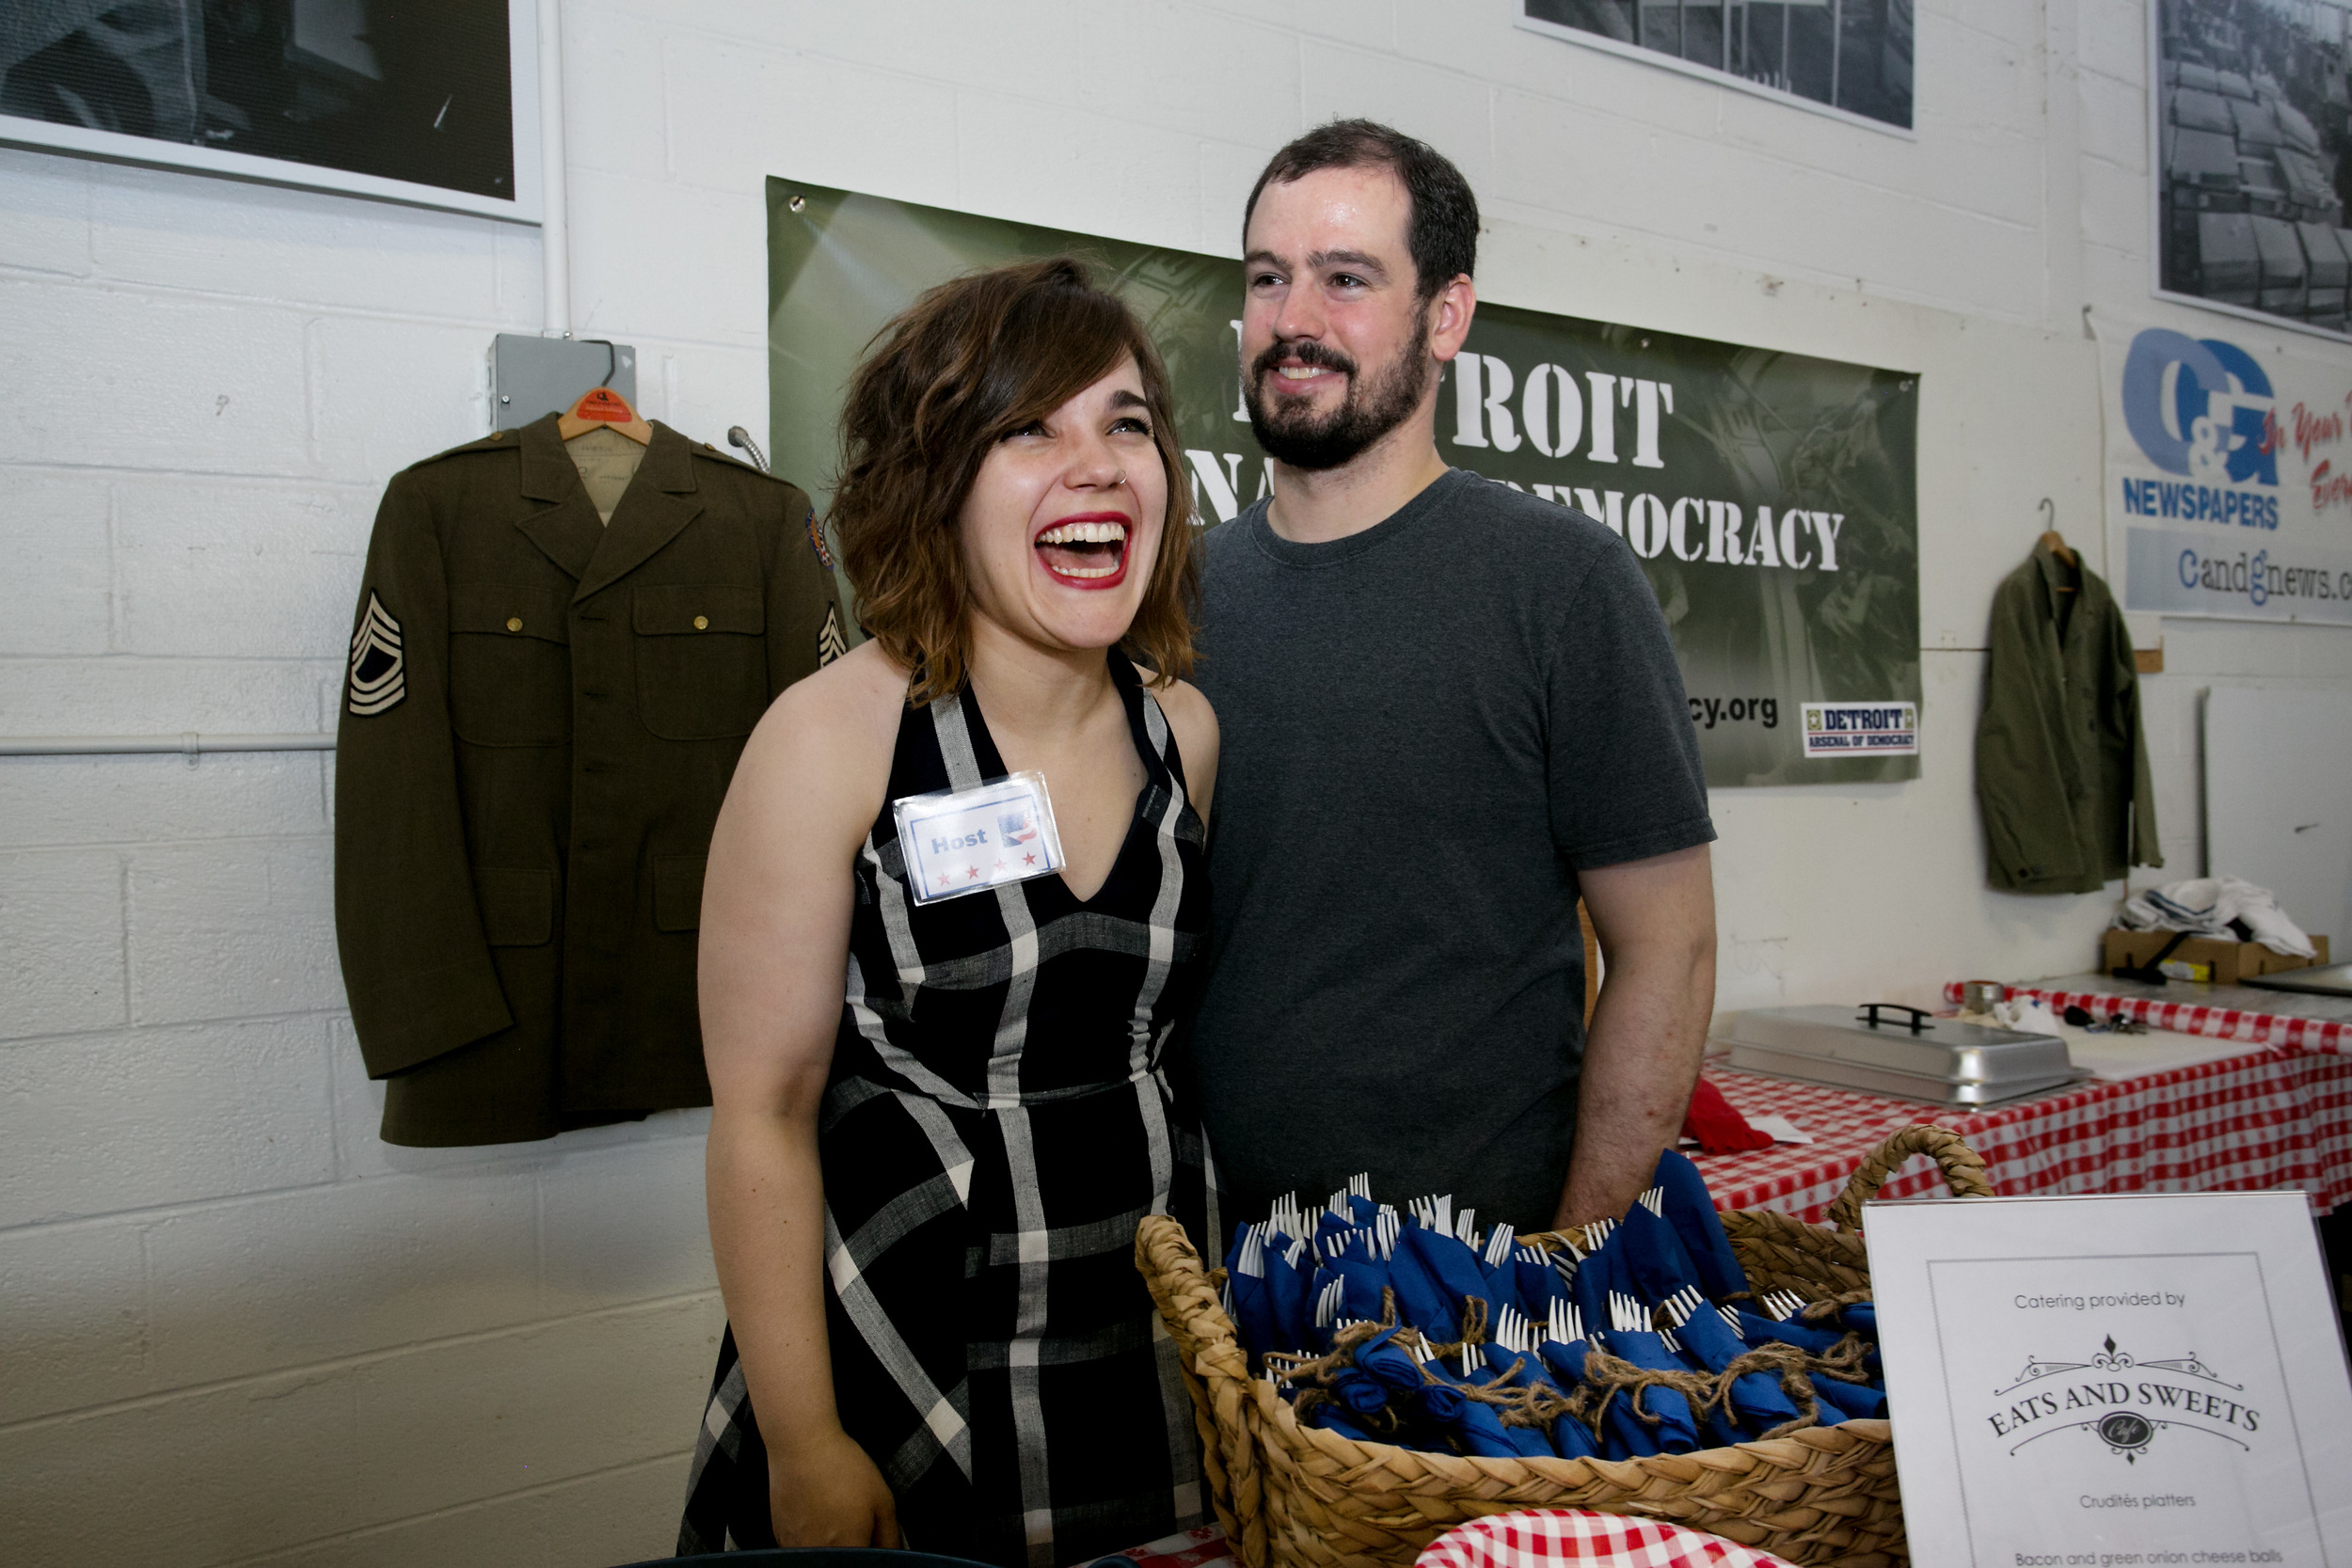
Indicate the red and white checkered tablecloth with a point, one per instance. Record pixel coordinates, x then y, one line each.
2272 1118
1564 1538
2192 1018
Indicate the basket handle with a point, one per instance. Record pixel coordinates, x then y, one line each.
1962 1166
1183 1291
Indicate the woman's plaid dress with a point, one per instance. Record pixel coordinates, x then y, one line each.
996 1124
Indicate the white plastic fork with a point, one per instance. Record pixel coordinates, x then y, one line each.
1567 1324
1499 1244
1655 1201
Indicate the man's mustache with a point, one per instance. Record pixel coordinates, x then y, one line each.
1306 351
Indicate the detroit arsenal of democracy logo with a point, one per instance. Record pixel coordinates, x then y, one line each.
2123 1402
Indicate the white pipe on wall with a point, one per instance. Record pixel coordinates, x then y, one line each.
555 234
188 744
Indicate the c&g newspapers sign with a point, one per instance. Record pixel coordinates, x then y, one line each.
2229 479
1771 496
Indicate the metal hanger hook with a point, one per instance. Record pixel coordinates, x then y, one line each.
2049 512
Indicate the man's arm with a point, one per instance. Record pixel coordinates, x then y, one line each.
1655 922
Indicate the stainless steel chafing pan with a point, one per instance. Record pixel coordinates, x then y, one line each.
1883 1049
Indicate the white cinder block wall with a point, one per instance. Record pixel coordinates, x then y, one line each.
234 1327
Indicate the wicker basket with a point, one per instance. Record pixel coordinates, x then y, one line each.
1295 1496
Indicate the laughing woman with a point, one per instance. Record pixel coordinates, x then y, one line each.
937 1121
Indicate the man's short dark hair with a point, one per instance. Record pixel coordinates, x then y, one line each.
1441 230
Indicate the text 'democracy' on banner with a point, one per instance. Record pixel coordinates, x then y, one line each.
1771 496
2228 475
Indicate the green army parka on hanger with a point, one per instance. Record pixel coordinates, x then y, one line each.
2061 749
541 713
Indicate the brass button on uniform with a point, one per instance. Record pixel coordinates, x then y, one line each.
702 623
514 622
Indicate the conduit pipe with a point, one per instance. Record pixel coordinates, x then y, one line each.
188 744
555 223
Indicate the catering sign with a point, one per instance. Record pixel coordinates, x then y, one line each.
2114 1380
1771 496
2229 476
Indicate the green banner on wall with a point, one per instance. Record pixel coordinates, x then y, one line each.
1772 496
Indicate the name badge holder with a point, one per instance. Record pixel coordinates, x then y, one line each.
960 841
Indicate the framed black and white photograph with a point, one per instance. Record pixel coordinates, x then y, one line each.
1850 59
2249 141
433 102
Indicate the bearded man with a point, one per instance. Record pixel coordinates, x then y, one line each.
1448 710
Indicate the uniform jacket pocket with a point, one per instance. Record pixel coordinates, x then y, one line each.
510 666
702 659
677 892
518 905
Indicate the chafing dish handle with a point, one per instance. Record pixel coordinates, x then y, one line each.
1918 1020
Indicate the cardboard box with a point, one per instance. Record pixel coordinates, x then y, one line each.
2223 963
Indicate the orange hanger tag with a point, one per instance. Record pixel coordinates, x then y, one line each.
604 404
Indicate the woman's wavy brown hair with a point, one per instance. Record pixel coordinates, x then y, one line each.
964 366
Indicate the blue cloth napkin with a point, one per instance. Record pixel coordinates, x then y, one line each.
1517 1372
1677 1430
1526 1441
1862 1317
1540 1285
1328 1418
1253 1311
1653 1254
1381 1358
1422 1299
1565 1363
1454 1270
1502 1287
1290 1297
1756 1398
1363 1276
1860 1401
1359 1392
1756 1329
1440 1406
1599 1273
1692 1214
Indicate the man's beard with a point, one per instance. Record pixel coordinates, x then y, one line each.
1300 438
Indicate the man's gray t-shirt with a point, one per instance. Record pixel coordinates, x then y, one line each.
1427 728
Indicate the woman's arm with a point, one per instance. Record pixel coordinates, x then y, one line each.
775 938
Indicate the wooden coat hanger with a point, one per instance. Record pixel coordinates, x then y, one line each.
2055 542
602 409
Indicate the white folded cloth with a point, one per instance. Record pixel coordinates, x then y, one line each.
2207 905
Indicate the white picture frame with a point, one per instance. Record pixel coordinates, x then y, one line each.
1625 51
526 206
2161 155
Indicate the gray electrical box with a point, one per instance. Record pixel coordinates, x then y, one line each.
531 377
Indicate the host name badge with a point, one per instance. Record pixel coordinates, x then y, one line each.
970 840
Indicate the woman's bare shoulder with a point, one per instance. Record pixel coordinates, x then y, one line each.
1193 721
832 733
1188 711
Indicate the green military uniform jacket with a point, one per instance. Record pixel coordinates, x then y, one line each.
2061 752
541 714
